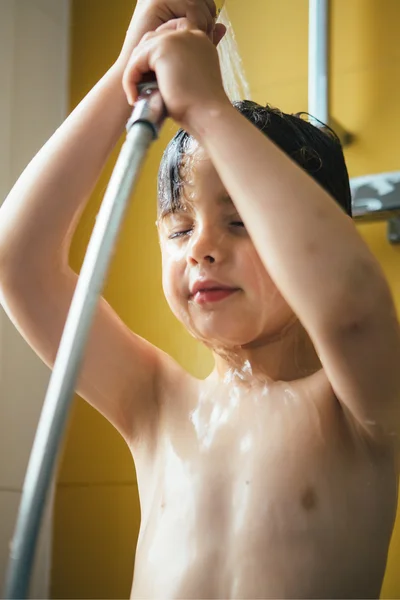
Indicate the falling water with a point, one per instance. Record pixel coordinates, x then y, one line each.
235 81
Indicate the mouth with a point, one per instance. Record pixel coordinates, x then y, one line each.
212 296
209 293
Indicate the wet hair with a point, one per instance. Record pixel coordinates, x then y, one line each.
316 149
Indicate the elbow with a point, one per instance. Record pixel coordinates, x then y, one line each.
362 295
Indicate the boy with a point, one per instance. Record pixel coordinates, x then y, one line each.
276 476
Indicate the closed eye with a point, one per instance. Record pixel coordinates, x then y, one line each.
237 223
179 234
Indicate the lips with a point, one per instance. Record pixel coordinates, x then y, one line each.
207 291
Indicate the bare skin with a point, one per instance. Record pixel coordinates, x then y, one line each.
276 476
260 484
255 494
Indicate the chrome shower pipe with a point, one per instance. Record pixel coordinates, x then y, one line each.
375 197
318 67
142 128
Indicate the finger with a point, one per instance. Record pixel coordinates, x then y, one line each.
200 16
147 36
175 24
211 15
137 67
219 33
212 8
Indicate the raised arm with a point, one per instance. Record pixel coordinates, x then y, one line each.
120 373
308 245
37 222
318 261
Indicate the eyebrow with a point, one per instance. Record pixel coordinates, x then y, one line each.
180 207
172 210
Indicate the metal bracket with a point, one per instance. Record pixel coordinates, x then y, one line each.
376 197
346 138
394 230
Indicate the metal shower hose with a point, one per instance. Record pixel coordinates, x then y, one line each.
142 129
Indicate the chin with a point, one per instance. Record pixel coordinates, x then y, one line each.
214 333
228 326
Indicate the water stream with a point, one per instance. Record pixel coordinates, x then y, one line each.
234 77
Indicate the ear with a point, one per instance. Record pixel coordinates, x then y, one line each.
219 32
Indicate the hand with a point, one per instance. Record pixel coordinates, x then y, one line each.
151 14
186 65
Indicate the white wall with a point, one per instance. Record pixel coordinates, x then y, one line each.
33 102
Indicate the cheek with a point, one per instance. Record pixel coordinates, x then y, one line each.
173 270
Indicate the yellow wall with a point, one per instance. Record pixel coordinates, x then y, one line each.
97 511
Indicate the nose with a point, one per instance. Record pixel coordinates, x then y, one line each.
206 246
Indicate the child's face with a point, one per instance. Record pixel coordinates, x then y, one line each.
206 244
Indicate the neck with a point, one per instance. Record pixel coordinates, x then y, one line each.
286 356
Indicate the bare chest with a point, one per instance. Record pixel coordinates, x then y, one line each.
266 457
243 488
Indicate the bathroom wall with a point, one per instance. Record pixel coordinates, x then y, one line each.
97 512
34 37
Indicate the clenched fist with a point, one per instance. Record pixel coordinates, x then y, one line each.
186 65
149 15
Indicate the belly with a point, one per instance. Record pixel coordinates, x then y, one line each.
254 540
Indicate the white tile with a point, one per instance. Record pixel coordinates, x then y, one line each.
31 109
22 387
55 9
9 503
33 71
40 582
39 100
6 95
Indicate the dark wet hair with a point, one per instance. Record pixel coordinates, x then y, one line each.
316 149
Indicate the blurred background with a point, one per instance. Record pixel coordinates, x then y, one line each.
51 53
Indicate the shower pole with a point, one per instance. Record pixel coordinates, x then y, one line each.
318 68
375 197
142 129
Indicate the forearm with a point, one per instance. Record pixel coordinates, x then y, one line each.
39 215
308 245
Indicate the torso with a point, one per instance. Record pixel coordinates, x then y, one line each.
263 492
